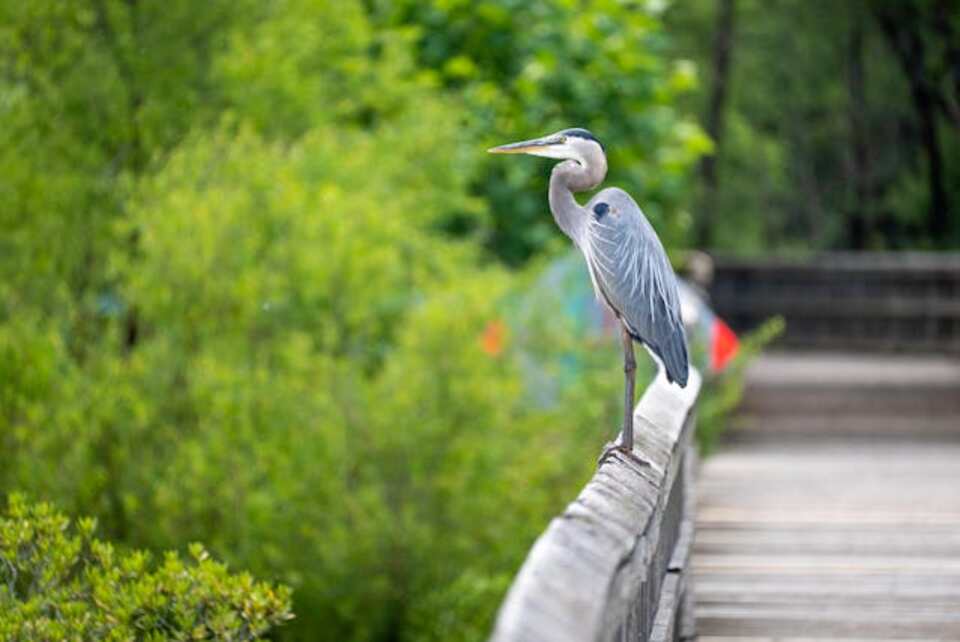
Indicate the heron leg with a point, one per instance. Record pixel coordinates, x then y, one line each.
630 380
625 447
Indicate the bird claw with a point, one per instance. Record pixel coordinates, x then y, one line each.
613 448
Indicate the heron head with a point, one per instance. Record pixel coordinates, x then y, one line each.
568 144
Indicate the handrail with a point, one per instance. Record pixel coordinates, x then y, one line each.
615 564
853 301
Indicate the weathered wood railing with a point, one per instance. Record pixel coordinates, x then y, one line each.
875 301
615 564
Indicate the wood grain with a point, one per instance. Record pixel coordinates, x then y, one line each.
614 565
829 530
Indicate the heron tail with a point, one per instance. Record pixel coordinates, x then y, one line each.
675 359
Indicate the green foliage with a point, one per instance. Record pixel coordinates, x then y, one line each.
459 610
724 392
90 93
823 147
528 68
57 582
231 309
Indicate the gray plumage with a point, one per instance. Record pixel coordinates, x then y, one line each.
626 261
630 271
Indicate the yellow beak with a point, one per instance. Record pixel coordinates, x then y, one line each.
526 146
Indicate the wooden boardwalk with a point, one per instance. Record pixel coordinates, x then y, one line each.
833 511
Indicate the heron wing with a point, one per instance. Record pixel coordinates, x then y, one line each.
631 272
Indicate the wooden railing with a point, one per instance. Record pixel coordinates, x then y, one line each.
615 564
857 301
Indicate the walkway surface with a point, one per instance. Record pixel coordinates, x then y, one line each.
833 511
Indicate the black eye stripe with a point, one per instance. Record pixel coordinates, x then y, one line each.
579 132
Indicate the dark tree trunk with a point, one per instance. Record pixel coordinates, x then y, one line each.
858 218
942 23
902 31
722 51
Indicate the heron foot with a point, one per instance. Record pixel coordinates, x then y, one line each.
614 448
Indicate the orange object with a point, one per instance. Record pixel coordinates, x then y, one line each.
494 337
724 346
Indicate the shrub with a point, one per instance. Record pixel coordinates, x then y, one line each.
722 394
245 323
58 582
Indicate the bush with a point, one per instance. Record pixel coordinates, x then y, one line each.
309 393
57 582
722 394
257 332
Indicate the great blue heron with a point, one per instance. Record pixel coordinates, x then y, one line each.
626 261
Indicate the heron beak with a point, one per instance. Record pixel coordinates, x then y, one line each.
527 146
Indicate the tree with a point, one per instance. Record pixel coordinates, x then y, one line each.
833 138
906 26
723 39
524 69
859 218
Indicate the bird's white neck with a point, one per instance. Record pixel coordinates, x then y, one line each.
569 177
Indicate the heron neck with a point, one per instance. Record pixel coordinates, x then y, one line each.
569 177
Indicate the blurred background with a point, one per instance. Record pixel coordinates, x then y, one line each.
261 287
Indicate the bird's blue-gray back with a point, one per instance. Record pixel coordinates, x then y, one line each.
629 267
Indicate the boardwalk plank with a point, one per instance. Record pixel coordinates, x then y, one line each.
825 530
